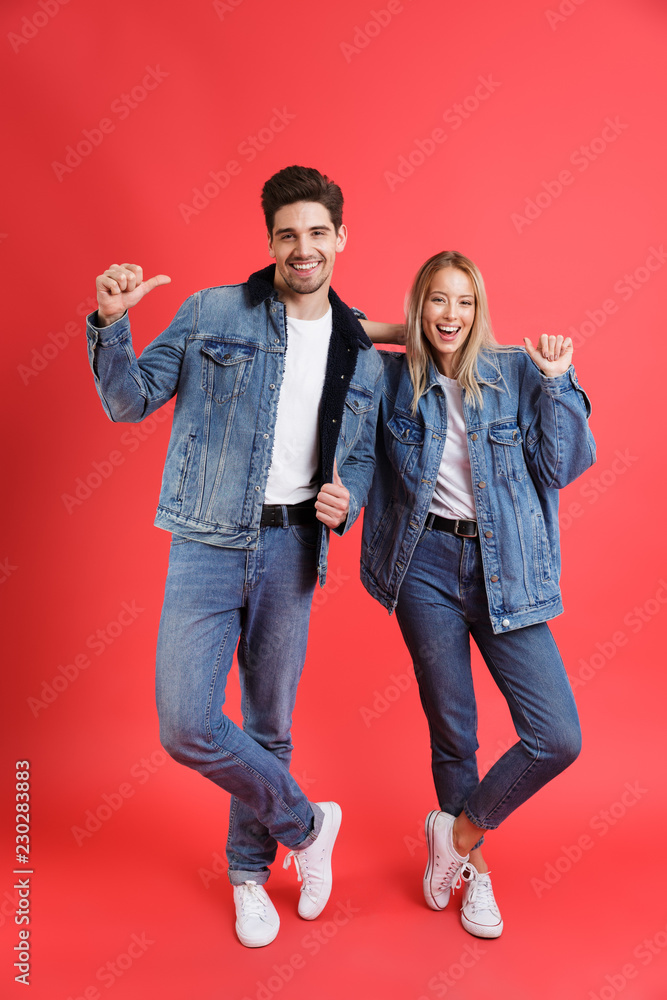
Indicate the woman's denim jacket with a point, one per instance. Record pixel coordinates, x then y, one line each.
223 354
529 438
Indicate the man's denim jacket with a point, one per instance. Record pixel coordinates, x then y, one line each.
223 354
529 438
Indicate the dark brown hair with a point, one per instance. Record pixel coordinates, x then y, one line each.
301 184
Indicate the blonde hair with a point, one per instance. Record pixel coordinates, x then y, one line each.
480 338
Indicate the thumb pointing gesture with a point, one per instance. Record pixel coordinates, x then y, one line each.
333 501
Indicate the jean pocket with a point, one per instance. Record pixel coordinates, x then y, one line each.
359 401
305 534
179 540
185 468
507 448
541 543
404 442
226 369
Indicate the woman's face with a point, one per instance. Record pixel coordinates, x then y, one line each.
447 317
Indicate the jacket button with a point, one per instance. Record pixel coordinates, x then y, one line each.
256 489
356 404
226 357
506 622
481 485
277 340
334 421
406 433
266 436
474 437
342 376
488 534
494 578
272 386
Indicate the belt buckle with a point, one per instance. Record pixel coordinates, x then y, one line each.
270 513
460 534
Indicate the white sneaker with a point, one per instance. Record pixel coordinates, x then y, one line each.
444 863
479 911
257 920
313 864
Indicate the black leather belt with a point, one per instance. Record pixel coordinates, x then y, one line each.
281 515
460 527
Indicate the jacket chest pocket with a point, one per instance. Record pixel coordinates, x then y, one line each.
225 369
358 402
507 447
405 442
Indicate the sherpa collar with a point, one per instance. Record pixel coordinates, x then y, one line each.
261 287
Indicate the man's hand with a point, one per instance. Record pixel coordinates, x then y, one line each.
121 287
333 501
553 355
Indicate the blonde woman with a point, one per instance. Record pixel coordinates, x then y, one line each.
461 538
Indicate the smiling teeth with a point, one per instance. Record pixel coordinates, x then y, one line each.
448 329
306 267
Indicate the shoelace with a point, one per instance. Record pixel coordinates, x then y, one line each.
451 877
303 872
480 893
253 901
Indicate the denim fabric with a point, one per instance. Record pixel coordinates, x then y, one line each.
223 354
260 598
529 438
441 604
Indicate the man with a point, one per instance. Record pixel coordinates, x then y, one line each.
277 392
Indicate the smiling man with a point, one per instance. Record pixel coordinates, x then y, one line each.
272 445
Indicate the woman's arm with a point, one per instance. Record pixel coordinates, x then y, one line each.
384 333
554 411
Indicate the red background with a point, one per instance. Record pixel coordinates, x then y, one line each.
579 892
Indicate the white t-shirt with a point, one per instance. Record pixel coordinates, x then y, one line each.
296 448
453 496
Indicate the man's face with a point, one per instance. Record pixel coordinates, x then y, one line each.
305 243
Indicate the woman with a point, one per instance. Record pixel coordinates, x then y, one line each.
461 537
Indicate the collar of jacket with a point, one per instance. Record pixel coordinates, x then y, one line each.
261 287
487 367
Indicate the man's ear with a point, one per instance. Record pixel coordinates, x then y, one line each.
272 252
341 239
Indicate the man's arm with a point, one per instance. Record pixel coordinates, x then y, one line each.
130 388
356 474
384 333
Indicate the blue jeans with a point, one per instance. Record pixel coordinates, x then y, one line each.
442 602
260 598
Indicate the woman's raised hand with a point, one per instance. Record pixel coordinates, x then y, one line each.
553 355
121 287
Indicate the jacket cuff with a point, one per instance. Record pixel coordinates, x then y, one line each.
352 515
556 385
107 336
